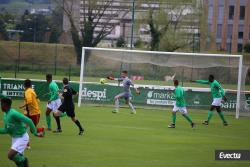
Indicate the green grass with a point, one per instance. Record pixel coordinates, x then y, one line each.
126 140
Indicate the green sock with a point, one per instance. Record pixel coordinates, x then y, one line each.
187 118
48 120
174 118
221 114
18 159
63 114
210 114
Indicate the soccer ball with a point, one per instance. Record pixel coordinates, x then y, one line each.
102 81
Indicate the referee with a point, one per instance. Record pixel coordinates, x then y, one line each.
68 104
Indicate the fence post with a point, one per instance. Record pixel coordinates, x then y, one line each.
19 55
69 72
55 59
16 67
182 76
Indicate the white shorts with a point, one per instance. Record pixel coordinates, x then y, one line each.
217 102
182 110
19 144
54 105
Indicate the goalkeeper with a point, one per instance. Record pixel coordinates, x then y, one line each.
218 94
126 94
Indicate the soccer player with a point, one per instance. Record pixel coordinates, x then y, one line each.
15 124
126 94
180 105
68 105
31 105
53 103
218 94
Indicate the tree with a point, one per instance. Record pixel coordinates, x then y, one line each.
120 42
34 27
247 48
97 15
55 23
166 21
3 32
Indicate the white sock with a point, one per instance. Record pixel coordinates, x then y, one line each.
132 107
116 104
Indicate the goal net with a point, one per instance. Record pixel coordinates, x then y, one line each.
153 72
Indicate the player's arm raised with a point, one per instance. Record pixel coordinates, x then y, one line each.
110 78
201 81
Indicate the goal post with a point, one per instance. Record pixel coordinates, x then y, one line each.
237 115
105 60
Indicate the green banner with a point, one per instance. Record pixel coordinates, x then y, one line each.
104 94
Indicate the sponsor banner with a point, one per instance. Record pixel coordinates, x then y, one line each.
104 94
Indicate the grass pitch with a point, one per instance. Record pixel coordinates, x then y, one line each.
125 140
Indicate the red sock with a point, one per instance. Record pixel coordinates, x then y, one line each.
40 129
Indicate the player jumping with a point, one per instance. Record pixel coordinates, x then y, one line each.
126 94
15 124
218 94
180 105
53 103
68 105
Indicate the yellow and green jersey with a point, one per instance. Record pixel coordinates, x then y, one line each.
216 89
180 97
15 124
53 88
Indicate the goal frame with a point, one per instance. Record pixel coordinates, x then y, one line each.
240 65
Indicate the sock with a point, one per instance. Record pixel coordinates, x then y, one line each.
187 118
18 159
173 118
39 130
131 106
48 120
210 114
63 114
221 114
58 122
79 125
116 104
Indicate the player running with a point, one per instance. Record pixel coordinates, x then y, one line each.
31 106
180 105
53 103
126 94
15 124
68 105
218 94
